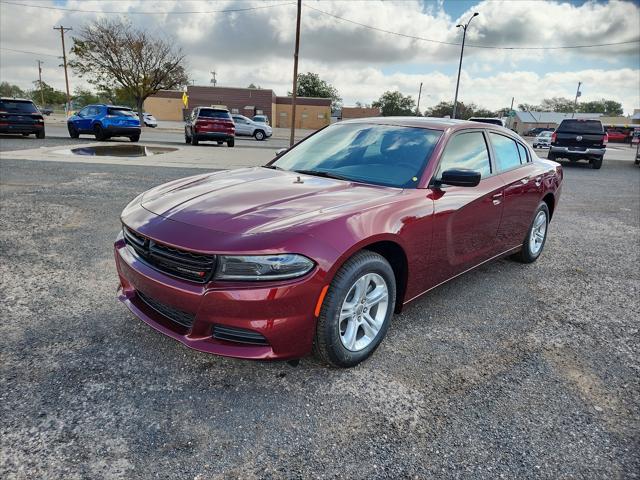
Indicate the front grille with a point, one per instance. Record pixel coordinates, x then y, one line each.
177 316
238 335
179 263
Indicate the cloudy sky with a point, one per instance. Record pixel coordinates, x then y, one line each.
256 46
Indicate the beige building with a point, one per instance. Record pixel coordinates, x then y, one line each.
165 105
311 113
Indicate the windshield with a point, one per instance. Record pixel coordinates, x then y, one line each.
214 114
387 155
581 126
545 134
17 107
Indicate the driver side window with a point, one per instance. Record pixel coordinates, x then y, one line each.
467 151
84 112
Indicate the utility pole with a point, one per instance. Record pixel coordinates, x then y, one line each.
40 62
418 106
511 110
295 77
575 102
213 78
464 36
64 60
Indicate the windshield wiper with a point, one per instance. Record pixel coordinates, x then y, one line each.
272 167
322 173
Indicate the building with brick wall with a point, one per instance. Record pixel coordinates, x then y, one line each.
360 112
312 113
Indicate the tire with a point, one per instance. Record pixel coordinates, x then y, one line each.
551 156
596 163
259 135
25 134
194 140
529 252
187 138
73 131
134 138
231 143
98 132
219 143
40 134
332 334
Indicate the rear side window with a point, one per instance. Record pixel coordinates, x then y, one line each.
581 126
506 151
17 107
468 151
209 113
524 156
120 112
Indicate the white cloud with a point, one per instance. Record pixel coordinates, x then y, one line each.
257 47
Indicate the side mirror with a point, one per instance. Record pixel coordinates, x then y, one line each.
280 152
460 177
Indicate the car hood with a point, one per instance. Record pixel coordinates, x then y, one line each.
258 200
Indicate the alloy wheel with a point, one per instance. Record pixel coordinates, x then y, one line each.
363 312
538 233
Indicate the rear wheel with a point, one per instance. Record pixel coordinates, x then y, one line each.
98 132
231 143
40 133
356 311
187 138
194 140
596 163
134 138
536 236
551 156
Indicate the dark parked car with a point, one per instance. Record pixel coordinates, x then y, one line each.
20 116
210 124
45 111
577 139
318 248
104 122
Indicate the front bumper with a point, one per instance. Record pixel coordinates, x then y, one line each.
122 131
281 312
567 152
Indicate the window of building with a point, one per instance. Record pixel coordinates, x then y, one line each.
468 151
283 114
259 112
305 115
506 150
321 116
235 110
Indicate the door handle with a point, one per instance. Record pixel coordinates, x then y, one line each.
497 198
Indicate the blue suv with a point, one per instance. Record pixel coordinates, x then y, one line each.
105 121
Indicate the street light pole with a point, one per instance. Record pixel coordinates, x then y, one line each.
575 102
418 106
40 62
464 36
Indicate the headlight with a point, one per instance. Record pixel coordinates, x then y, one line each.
262 267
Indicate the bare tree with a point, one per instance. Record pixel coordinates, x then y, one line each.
109 52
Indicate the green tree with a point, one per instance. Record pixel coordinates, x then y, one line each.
529 107
254 86
394 103
113 52
82 97
557 104
311 85
9 90
610 108
51 95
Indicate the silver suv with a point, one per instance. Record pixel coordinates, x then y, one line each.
246 126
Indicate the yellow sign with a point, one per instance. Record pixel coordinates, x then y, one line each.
185 99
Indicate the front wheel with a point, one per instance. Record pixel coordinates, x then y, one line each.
536 236
73 131
356 311
551 156
134 138
259 135
98 132
194 140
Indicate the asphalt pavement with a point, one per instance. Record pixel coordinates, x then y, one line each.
510 371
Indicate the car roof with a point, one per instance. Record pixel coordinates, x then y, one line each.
26 100
428 122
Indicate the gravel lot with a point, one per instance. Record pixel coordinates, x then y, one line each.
510 371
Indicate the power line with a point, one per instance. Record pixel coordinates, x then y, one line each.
122 12
441 42
29 52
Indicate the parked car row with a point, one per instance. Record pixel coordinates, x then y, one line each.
216 124
18 115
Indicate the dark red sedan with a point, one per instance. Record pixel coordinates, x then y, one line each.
317 249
